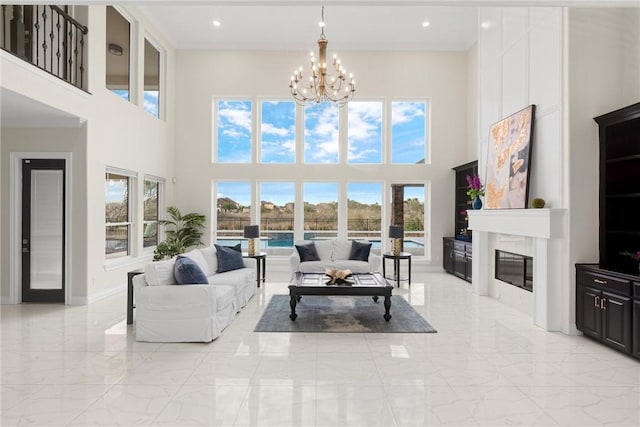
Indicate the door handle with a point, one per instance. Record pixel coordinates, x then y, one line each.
602 306
596 301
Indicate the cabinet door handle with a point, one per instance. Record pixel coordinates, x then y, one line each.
602 282
596 303
602 306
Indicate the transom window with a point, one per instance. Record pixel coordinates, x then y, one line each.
365 132
321 133
408 132
278 132
234 124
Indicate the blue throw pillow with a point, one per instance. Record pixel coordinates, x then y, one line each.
308 252
187 272
228 258
360 251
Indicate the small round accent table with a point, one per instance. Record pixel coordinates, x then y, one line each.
261 264
396 266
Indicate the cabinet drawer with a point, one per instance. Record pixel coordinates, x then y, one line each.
459 246
604 281
636 290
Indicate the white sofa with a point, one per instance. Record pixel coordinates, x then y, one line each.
333 254
168 312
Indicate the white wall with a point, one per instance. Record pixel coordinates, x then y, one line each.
604 53
521 62
117 133
472 104
203 75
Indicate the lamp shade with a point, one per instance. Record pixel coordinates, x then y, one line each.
251 231
396 232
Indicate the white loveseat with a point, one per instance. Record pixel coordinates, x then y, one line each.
168 312
333 254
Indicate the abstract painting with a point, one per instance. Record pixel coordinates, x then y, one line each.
508 161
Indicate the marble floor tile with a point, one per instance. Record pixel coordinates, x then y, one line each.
487 365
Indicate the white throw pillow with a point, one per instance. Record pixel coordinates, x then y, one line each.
342 250
198 257
211 258
324 249
160 273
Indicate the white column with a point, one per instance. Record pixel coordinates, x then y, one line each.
481 258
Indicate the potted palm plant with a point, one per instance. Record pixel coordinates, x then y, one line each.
183 231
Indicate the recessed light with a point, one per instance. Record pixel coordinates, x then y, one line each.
425 24
216 23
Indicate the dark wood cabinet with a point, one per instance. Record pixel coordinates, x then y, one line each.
635 320
604 306
462 200
456 257
619 133
447 258
607 301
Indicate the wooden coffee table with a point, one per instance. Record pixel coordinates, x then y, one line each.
370 284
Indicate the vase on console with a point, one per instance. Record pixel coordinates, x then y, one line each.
477 203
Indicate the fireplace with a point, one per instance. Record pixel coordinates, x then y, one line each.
545 232
515 269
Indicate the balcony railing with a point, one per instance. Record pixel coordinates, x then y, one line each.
47 37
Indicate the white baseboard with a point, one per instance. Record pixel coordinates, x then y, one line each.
573 330
4 300
84 300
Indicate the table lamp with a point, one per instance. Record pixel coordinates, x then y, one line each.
396 232
252 232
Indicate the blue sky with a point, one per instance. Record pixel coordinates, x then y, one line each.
408 131
364 132
321 133
278 132
234 131
279 193
238 191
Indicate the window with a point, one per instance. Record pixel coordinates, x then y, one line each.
118 53
234 131
151 210
234 210
118 215
277 212
408 132
364 129
414 236
320 210
364 210
278 132
321 133
151 79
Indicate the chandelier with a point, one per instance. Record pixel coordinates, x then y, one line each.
320 86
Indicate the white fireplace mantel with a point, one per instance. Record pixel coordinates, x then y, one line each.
547 227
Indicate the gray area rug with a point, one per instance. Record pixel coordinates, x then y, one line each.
341 314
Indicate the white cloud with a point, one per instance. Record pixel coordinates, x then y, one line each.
268 128
235 116
231 132
403 112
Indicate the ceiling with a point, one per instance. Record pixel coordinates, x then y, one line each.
295 27
19 111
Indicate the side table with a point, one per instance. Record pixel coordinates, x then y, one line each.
261 265
130 305
396 266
